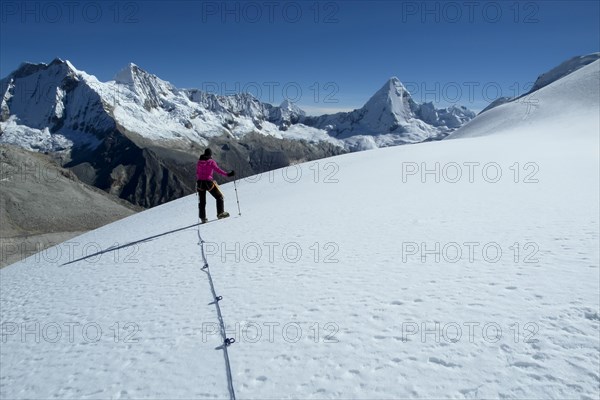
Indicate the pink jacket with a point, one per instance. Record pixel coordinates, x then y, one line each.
205 168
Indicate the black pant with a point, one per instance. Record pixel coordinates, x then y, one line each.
212 188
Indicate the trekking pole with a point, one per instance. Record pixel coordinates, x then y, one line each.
237 198
198 201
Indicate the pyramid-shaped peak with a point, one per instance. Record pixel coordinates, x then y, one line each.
395 84
392 91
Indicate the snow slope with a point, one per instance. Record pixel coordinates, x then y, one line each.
563 69
336 263
557 109
556 73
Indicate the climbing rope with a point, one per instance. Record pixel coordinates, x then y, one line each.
226 341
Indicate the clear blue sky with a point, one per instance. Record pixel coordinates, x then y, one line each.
325 55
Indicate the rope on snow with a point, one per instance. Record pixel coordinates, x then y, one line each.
226 341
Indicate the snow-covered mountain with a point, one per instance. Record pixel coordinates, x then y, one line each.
127 135
391 117
138 136
50 107
479 280
59 104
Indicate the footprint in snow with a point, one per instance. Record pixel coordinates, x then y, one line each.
592 316
506 348
526 365
443 363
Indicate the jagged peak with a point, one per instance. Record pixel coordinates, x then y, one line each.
125 75
128 74
133 75
57 61
245 95
29 68
63 63
288 106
